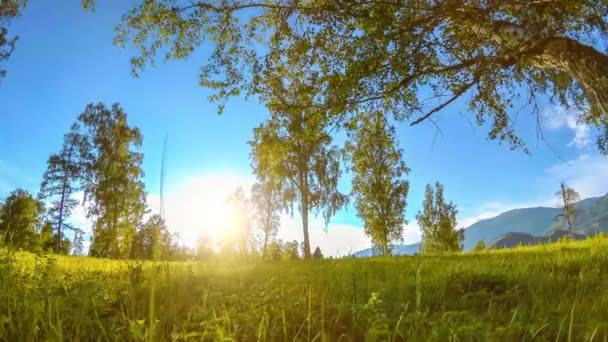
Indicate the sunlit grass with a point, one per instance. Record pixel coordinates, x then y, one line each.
553 292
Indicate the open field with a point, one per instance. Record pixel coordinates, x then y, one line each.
547 293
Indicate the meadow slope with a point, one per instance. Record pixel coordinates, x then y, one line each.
546 293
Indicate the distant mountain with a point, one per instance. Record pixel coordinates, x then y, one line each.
395 249
532 221
511 240
527 226
591 218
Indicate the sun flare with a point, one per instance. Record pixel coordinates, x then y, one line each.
200 208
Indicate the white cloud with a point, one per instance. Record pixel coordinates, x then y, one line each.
586 174
559 117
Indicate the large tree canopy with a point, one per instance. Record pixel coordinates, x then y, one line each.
382 53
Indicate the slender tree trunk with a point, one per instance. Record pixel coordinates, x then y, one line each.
567 210
66 167
305 205
267 227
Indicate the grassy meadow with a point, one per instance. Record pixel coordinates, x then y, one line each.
556 292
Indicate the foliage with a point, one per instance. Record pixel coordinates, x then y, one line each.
317 254
78 242
377 179
114 189
380 54
506 295
240 233
567 197
19 220
280 250
294 147
153 240
266 207
9 9
480 246
438 223
60 181
45 237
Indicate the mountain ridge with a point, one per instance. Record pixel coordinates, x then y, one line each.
537 222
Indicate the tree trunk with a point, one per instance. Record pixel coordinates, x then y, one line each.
585 64
307 255
66 167
268 227
305 204
582 62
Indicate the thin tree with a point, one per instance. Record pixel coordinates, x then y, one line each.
266 205
438 222
242 221
78 244
379 53
60 181
567 197
295 147
378 182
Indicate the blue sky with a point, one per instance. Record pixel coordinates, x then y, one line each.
65 59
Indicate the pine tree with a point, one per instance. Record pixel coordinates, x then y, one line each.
60 181
378 185
114 189
438 223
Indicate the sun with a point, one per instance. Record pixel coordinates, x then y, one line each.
200 207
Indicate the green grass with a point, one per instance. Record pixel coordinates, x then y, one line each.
545 293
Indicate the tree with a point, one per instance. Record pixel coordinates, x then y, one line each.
114 189
480 246
379 54
153 241
19 219
317 254
9 9
290 250
294 147
266 205
378 185
60 181
567 197
438 223
45 238
241 221
78 245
